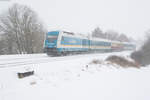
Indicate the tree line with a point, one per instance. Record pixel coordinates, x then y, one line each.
111 35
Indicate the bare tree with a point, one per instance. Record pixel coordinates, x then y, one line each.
97 33
123 38
4 47
110 35
2 43
23 30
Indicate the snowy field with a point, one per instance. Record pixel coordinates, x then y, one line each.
69 78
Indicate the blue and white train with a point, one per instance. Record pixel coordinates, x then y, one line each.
62 43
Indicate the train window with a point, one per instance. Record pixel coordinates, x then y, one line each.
100 43
70 41
51 38
84 42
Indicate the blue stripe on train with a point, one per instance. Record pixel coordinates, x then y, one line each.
72 49
81 49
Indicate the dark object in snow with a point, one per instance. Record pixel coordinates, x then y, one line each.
33 83
121 61
25 74
87 66
96 61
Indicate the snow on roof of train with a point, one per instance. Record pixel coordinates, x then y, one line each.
78 35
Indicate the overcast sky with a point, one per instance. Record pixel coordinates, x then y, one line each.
131 17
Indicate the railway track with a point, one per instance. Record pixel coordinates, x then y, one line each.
34 61
25 62
11 58
21 61
16 62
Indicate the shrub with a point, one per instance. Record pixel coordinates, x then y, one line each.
142 56
121 61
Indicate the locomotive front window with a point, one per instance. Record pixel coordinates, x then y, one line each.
51 38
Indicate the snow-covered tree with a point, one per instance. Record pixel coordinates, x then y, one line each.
23 30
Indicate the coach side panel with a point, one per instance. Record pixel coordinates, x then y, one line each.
72 44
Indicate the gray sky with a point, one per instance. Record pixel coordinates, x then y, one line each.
131 17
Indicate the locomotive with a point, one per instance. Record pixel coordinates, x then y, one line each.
63 43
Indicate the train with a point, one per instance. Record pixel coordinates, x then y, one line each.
64 42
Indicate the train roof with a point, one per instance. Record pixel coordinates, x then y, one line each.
78 35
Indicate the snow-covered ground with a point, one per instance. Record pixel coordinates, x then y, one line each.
69 78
